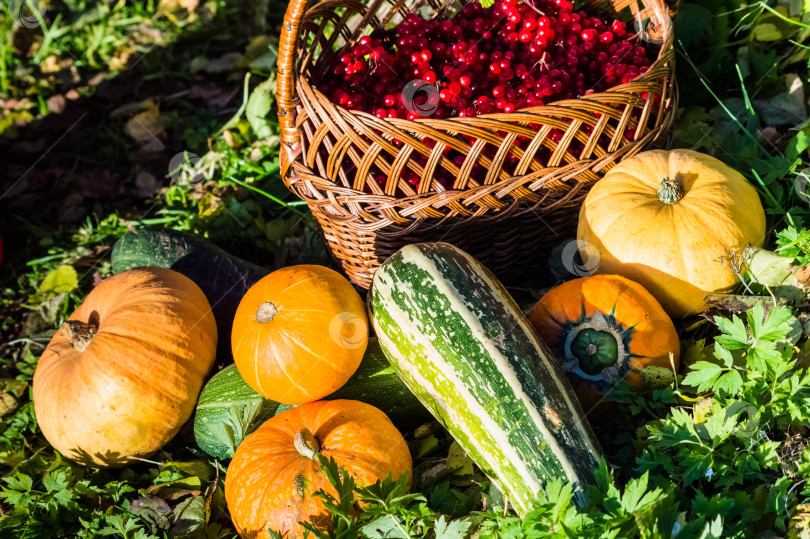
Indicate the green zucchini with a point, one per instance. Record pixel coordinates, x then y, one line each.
229 409
463 346
223 278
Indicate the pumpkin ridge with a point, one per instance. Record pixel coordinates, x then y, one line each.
320 360
127 342
680 269
688 262
282 292
606 227
281 366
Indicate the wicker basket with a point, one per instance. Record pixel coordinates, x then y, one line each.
512 216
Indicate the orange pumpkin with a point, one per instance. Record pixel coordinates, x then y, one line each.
604 328
123 374
275 471
299 334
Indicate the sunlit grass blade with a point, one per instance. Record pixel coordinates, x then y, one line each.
288 205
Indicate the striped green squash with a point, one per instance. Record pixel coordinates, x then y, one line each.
460 342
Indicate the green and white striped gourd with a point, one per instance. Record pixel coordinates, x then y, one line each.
466 350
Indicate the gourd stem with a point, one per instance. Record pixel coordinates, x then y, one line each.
266 312
669 192
79 334
306 444
591 349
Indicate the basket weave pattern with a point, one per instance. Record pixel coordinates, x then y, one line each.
526 199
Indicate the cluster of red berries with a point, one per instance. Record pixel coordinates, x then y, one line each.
514 54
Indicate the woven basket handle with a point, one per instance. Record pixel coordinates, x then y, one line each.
285 83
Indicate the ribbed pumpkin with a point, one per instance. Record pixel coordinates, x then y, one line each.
603 328
665 219
275 471
299 334
123 374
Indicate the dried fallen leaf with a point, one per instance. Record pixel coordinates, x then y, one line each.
153 510
229 140
213 94
129 109
97 79
121 59
10 392
145 126
53 64
57 104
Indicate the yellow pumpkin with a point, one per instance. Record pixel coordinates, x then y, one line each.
123 374
666 219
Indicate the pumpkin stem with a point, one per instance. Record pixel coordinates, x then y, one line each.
306 444
591 349
78 333
669 192
266 312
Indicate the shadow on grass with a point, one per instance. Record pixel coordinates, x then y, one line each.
85 160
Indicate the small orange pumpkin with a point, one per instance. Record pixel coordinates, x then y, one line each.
299 334
123 374
275 471
604 328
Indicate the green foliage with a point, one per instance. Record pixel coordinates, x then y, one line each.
794 242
